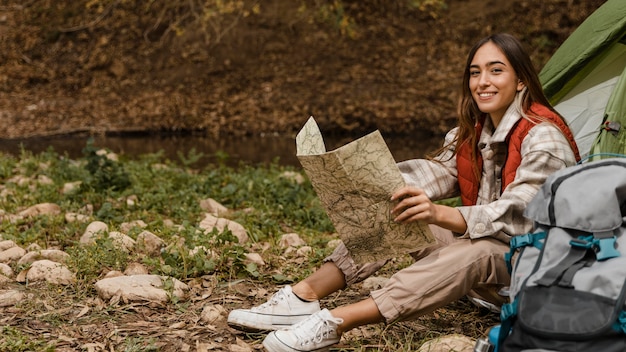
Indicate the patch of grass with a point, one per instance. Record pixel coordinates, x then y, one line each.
13 340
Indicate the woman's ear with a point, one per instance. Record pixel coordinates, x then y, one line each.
520 85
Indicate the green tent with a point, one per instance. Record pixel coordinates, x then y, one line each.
585 80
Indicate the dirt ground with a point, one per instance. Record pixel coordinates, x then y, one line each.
114 66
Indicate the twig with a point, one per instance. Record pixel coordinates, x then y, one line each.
92 23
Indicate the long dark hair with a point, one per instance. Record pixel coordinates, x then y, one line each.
467 109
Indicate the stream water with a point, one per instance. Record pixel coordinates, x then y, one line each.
248 150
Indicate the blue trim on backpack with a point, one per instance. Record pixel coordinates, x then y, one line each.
507 315
620 323
603 247
517 242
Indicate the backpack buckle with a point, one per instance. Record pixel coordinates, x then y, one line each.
606 248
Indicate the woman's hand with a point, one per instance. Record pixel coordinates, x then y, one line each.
414 205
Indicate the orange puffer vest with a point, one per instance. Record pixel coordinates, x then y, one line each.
469 184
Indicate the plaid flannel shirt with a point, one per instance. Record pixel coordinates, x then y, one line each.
497 214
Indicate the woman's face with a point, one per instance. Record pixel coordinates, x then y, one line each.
492 81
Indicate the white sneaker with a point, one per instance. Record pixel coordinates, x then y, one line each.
317 333
282 310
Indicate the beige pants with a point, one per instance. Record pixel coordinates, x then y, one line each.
441 274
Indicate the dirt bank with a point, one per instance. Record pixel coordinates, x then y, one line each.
116 66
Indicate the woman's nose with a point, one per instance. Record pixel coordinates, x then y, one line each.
483 80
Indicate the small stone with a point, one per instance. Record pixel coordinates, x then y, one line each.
12 254
122 241
127 226
254 258
93 231
49 271
10 297
447 343
213 207
54 255
41 209
135 269
211 222
140 288
212 313
291 240
149 243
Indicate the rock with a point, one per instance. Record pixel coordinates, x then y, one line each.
122 241
254 258
374 283
135 269
113 273
74 217
291 240
6 270
108 154
12 254
212 313
127 226
211 222
304 251
213 207
4 245
33 247
44 180
149 243
448 343
41 209
209 253
4 279
54 255
93 231
293 176
71 187
49 271
10 297
139 288
332 244
131 201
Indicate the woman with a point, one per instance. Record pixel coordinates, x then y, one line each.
507 142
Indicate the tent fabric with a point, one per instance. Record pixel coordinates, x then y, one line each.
609 141
576 56
586 73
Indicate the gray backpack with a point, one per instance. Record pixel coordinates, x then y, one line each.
568 282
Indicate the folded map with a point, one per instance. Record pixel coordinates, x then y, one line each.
354 184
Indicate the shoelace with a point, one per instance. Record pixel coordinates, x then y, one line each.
274 300
319 326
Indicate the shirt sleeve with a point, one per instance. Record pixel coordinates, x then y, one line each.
544 150
438 178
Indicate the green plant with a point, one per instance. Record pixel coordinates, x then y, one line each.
13 340
89 261
107 174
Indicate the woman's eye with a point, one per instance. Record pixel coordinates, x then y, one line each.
496 70
474 73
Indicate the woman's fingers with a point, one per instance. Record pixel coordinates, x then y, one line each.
413 205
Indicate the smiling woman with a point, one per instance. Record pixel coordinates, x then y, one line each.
507 142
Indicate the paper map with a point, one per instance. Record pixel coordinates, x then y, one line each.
354 184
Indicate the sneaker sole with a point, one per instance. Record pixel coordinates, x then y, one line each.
272 344
245 325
